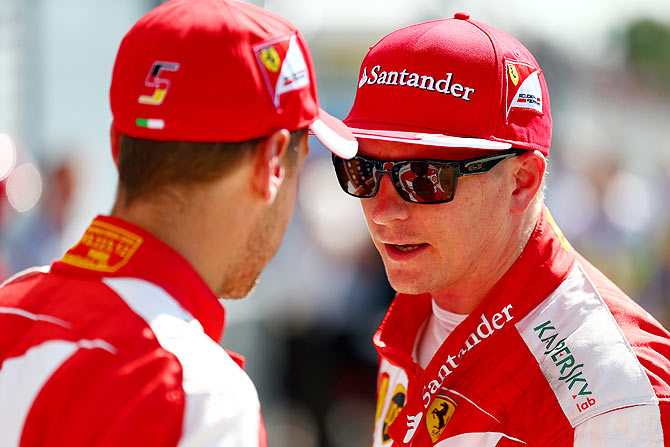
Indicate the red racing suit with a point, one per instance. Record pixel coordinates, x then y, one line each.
556 355
116 345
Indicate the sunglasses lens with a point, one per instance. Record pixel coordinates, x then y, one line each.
419 181
356 176
426 182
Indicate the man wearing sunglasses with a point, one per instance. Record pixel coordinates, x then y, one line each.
501 333
116 344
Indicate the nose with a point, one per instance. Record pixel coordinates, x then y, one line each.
387 205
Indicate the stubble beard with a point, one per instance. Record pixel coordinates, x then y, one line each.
243 277
236 293
262 244
404 281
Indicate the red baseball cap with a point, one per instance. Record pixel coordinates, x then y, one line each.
455 83
218 71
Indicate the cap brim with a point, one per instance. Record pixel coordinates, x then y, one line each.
429 139
335 135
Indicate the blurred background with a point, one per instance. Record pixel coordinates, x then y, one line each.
307 328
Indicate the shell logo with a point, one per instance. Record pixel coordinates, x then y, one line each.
394 408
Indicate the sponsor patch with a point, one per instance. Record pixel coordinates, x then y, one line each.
439 414
270 58
283 65
513 74
582 353
559 234
364 78
103 248
445 83
395 406
381 395
485 329
522 88
413 421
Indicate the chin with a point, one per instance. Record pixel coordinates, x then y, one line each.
409 289
409 283
237 291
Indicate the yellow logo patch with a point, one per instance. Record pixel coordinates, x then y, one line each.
395 406
564 242
438 415
513 74
270 58
103 248
381 395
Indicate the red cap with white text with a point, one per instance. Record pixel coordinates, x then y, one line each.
218 71
455 83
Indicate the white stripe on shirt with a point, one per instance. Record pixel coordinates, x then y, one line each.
222 407
23 377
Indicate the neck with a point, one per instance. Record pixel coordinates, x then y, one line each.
480 278
188 223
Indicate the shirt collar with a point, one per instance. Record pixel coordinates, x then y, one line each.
116 248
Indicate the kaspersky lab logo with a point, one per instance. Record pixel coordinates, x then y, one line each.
404 78
570 371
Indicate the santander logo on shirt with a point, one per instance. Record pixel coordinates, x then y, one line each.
486 328
403 78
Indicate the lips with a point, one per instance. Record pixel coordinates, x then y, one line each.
404 252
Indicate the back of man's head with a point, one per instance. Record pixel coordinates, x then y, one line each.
147 167
192 74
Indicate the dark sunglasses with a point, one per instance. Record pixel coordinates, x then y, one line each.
416 181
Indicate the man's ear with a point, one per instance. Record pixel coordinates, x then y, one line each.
269 173
528 173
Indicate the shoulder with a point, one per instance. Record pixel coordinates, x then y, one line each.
29 273
141 368
220 398
637 425
648 339
104 394
584 353
180 334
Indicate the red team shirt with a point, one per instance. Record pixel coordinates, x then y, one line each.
117 345
556 355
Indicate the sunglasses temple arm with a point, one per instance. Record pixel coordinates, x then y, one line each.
479 165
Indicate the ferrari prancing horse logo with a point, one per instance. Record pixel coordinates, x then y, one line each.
270 58
439 414
513 75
